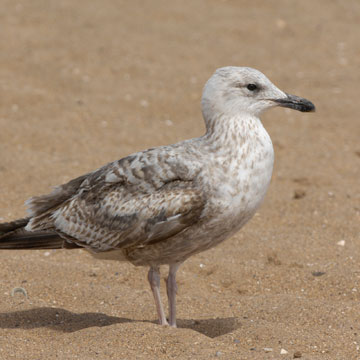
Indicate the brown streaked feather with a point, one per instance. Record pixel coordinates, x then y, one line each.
40 204
130 202
13 236
20 239
137 221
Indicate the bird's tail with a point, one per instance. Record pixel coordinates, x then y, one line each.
14 236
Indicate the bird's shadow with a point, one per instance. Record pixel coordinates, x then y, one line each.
67 321
211 327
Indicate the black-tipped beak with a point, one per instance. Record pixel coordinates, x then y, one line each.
296 103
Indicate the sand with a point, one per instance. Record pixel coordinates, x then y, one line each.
87 82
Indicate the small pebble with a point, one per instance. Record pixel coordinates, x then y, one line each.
299 194
218 353
283 352
19 290
297 355
341 243
144 103
317 273
46 253
268 350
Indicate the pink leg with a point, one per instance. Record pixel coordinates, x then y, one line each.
171 288
154 280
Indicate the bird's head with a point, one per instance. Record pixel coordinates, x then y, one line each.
242 90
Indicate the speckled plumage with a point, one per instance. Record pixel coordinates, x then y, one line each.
162 205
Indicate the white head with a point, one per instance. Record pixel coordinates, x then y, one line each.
234 90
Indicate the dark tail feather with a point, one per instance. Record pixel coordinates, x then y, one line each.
13 225
13 236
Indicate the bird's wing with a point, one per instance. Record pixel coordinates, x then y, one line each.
135 201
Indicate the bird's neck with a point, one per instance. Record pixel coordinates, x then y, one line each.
232 132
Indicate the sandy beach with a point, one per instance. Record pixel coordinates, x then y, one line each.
85 83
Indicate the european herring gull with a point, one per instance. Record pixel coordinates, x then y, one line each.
164 204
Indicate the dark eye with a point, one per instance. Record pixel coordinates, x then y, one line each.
251 87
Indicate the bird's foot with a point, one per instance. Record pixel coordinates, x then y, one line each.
163 322
167 323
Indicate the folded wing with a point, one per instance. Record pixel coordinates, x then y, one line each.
130 203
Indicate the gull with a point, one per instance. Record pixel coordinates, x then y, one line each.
162 205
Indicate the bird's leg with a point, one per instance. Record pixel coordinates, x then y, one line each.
171 288
154 280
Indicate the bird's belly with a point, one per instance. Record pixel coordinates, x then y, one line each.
225 216
116 254
231 205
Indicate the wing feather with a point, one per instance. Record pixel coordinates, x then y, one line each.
138 221
139 200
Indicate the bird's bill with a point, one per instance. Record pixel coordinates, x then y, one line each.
296 103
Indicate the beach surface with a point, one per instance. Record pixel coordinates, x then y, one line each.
85 83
